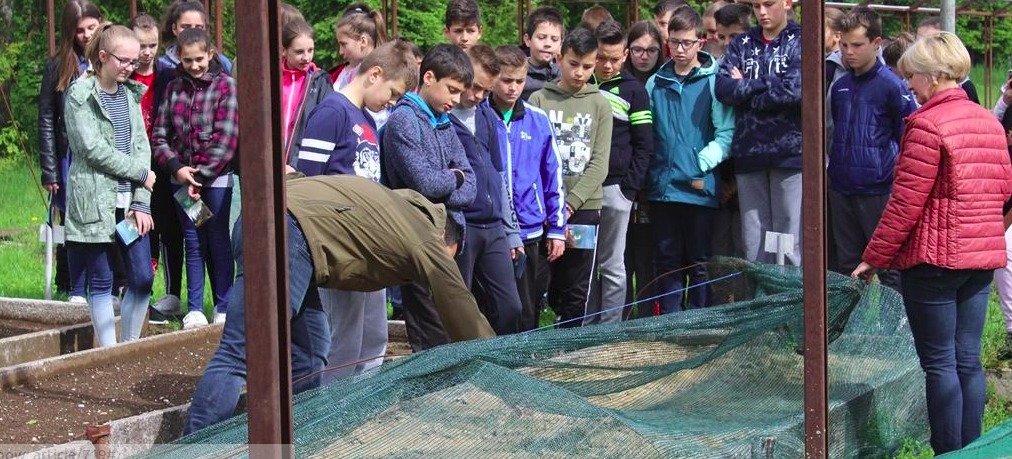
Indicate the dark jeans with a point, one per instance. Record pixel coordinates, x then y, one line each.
854 219
167 237
425 329
639 262
218 390
95 261
569 288
946 309
208 243
528 285
683 236
486 261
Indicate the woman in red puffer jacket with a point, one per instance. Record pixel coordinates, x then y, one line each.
943 229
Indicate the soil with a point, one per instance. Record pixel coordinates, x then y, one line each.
57 410
10 327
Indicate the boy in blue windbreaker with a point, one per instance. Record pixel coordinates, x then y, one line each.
869 104
534 174
692 133
760 77
420 150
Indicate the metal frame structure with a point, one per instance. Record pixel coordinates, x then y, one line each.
264 224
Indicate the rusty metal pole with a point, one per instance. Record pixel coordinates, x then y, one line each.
384 8
520 23
989 76
813 202
636 10
269 370
393 10
133 8
218 37
51 26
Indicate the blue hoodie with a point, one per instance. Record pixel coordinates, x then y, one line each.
767 101
418 150
527 145
492 205
868 112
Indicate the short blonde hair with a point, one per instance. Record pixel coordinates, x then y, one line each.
942 56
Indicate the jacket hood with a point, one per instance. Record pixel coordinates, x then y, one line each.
792 29
421 108
622 76
213 70
548 73
586 90
90 87
707 67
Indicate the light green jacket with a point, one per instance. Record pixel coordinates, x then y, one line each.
97 166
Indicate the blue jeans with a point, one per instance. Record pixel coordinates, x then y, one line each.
946 309
208 244
94 261
218 390
683 234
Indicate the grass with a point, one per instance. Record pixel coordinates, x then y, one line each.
978 74
22 256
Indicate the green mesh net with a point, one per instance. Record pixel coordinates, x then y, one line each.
722 382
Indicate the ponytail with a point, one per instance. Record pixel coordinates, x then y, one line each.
106 38
364 21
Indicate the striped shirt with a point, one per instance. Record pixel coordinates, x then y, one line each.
118 107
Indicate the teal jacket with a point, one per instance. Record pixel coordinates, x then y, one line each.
97 166
692 135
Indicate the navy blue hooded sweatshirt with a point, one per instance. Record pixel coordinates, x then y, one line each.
491 205
767 101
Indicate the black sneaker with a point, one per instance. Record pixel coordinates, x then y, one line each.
156 317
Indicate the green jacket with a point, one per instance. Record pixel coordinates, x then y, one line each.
97 166
583 126
365 237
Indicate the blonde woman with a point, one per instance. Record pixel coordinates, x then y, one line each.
943 229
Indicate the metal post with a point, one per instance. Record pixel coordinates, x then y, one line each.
133 8
218 39
393 9
635 10
384 9
269 377
813 233
949 16
989 76
51 26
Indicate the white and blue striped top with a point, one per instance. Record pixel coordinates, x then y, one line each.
118 107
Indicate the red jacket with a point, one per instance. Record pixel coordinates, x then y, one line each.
952 177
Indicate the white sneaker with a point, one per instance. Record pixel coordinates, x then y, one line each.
194 319
219 317
77 300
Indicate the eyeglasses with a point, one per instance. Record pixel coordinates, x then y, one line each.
675 43
125 62
638 51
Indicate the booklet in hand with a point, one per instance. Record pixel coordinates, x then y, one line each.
127 231
581 237
194 208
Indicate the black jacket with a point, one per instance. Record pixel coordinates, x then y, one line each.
52 130
316 90
632 137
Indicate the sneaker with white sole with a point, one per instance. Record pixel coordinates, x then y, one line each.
219 317
194 319
77 300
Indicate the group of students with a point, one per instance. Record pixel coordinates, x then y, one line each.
571 169
127 136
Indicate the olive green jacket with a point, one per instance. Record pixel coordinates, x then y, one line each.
97 166
365 237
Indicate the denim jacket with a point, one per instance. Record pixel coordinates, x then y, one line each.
98 166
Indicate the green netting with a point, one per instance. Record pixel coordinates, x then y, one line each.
721 382
996 442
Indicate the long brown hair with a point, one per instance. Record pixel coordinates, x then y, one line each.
363 20
66 54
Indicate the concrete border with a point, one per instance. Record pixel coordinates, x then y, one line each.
25 373
44 312
44 344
